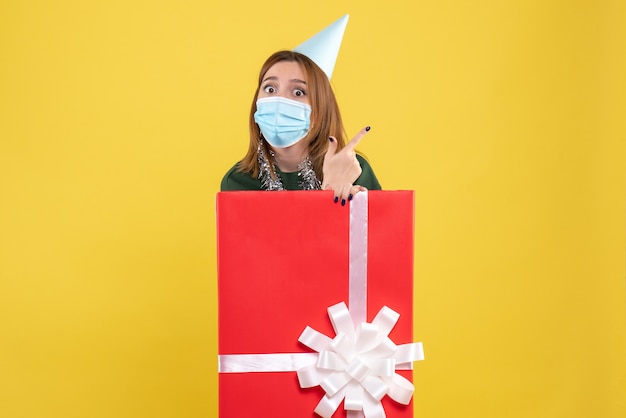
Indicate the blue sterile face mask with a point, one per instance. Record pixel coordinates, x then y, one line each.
283 122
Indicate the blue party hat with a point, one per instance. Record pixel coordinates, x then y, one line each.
323 47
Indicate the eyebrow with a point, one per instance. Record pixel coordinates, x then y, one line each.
274 78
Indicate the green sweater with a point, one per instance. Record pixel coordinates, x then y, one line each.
237 180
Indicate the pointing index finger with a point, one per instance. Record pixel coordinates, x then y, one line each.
357 138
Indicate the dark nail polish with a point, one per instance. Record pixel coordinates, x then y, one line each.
367 128
350 196
343 202
336 199
330 139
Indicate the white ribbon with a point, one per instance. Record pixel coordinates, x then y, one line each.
358 365
357 286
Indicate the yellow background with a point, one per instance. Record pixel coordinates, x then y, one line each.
118 119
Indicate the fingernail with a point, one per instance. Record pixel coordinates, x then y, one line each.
343 202
350 196
367 128
330 139
336 199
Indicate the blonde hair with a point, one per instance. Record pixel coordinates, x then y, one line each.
325 116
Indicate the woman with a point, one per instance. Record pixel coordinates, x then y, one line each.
297 138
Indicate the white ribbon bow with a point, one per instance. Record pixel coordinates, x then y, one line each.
358 365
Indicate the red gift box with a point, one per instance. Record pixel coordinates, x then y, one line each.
283 259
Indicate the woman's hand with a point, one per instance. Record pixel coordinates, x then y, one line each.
342 168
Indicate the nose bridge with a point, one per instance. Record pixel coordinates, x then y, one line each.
283 91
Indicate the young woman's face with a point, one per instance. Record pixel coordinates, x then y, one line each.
285 79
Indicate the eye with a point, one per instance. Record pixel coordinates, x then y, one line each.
269 89
299 93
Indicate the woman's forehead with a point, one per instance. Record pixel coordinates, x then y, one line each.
287 70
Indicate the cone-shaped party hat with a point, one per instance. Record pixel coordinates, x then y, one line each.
323 47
